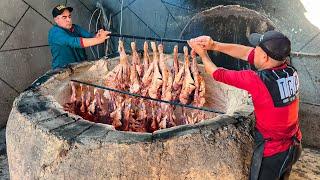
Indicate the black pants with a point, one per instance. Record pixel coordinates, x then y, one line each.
279 165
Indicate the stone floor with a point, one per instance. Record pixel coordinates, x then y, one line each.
307 168
4 169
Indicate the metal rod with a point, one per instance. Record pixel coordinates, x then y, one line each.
149 38
149 98
298 54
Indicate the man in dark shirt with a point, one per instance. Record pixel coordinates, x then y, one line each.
67 41
274 89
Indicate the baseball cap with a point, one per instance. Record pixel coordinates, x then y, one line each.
59 9
274 43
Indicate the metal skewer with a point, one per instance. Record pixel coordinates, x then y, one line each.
149 98
149 38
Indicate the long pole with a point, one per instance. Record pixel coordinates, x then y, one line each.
149 38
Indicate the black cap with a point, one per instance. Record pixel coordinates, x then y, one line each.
274 43
60 9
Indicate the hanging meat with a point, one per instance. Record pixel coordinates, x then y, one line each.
198 100
149 68
74 102
175 61
199 83
155 75
156 83
178 76
146 57
188 85
167 77
119 76
77 99
136 59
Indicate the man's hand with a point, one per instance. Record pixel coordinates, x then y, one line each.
198 49
102 35
209 66
205 42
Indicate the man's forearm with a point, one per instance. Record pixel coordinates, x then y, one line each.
234 50
209 66
87 42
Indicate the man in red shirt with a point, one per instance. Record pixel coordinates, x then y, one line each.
274 89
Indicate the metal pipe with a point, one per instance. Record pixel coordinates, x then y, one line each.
149 38
298 54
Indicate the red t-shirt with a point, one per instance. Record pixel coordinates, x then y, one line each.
278 123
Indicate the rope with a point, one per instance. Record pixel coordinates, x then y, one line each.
149 98
91 49
97 21
107 46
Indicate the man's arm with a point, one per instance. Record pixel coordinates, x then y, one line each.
235 50
100 37
209 66
89 39
60 37
87 42
241 79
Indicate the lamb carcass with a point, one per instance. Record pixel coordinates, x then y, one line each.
198 99
117 114
119 76
155 88
188 83
178 76
148 73
134 79
74 103
146 57
199 83
163 68
140 123
175 60
136 59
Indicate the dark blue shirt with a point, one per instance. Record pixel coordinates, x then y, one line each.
66 45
